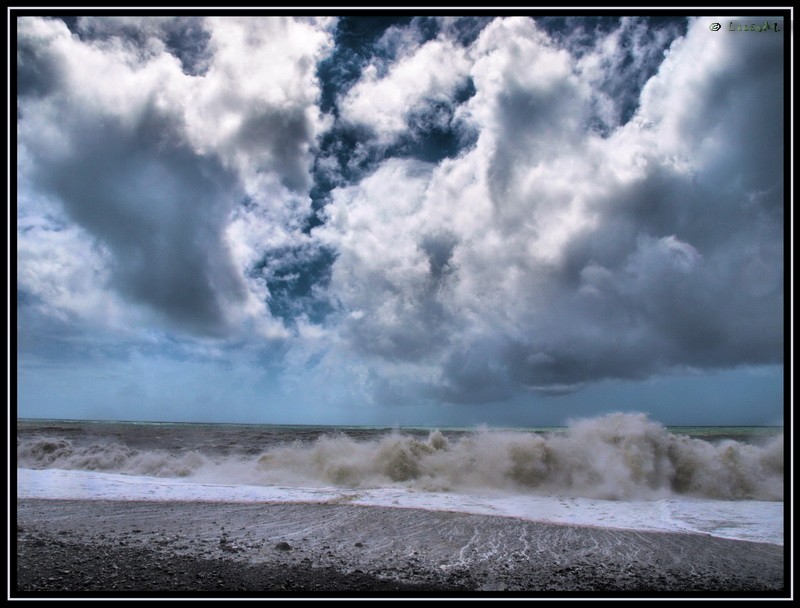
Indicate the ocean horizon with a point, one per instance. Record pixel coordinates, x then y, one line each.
691 430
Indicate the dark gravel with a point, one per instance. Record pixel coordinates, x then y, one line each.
52 566
117 549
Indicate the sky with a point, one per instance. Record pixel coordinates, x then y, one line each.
510 221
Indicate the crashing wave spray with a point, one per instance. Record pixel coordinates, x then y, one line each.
618 456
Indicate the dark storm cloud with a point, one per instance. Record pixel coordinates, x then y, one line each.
439 250
288 132
158 208
473 375
413 327
149 132
184 37
531 125
38 73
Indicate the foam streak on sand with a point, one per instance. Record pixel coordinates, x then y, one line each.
760 521
301 546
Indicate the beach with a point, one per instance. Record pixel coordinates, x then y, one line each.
175 549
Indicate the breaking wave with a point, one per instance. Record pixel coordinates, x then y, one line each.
619 456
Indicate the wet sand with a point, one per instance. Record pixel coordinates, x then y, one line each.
191 549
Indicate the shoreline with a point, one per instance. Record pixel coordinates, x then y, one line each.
117 547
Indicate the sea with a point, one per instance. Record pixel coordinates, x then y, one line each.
620 470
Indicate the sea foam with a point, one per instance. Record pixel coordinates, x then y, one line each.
617 457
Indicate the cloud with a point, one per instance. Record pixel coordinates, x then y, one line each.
485 207
64 274
153 159
551 255
429 74
616 57
184 37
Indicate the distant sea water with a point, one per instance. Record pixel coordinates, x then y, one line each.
619 470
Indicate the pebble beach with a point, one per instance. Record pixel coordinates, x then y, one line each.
70 548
